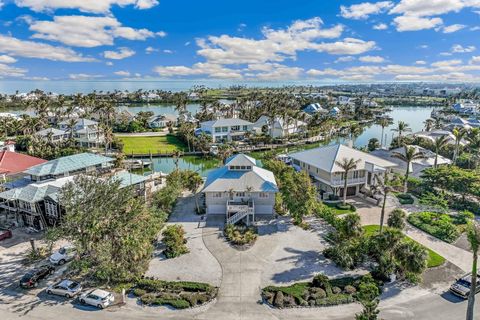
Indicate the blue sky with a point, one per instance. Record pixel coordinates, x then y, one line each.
398 40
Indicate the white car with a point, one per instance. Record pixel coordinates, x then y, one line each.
98 298
63 255
66 288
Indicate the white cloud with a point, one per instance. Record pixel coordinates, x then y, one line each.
457 48
11 71
122 53
109 63
167 51
83 76
345 59
86 31
31 49
453 28
422 8
475 60
122 73
447 63
198 69
372 59
414 23
380 26
149 50
7 59
161 34
476 28
364 10
420 62
94 6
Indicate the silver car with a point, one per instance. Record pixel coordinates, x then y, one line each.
66 288
98 298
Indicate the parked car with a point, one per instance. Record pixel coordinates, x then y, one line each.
31 278
5 234
461 287
66 288
63 255
98 298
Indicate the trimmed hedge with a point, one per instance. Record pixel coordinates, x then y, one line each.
318 293
439 225
405 198
177 294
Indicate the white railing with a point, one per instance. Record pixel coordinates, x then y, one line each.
341 182
237 217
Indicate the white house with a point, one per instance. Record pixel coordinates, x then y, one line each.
321 165
231 129
435 134
240 190
279 128
52 135
314 108
416 166
86 132
161 121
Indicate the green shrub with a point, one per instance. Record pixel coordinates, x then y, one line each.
278 301
405 198
139 292
397 219
349 289
240 235
346 206
439 225
174 240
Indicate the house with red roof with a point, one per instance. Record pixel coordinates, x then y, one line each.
14 163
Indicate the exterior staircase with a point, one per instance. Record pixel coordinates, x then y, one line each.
237 217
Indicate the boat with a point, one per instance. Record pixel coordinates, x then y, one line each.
136 164
284 158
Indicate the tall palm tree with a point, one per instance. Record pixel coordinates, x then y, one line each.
473 234
408 155
347 165
401 128
439 144
458 134
382 187
429 123
383 122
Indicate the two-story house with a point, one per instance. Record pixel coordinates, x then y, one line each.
86 132
321 165
278 127
52 135
223 130
162 121
240 190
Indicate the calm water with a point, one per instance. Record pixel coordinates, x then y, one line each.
201 165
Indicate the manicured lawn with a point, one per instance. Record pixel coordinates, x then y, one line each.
337 210
145 145
434 259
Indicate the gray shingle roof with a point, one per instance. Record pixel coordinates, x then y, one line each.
325 158
226 122
68 164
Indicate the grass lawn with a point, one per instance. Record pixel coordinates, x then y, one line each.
434 259
337 210
145 145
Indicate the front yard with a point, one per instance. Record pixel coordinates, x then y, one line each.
434 259
443 226
339 209
145 145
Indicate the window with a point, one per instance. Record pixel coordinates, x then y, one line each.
218 130
263 195
245 128
224 129
217 195
235 128
356 174
240 194
249 167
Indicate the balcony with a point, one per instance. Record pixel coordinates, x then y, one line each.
350 182
234 206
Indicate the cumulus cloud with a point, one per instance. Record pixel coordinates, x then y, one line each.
345 59
422 8
365 9
149 50
380 26
453 28
421 62
457 48
198 69
122 53
447 63
31 49
372 59
8 71
414 23
86 31
122 73
94 6
7 59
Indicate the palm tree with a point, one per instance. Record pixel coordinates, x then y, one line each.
429 123
458 134
439 144
473 234
347 165
383 122
383 187
401 128
408 155
473 139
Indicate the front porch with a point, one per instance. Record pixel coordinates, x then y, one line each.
240 210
